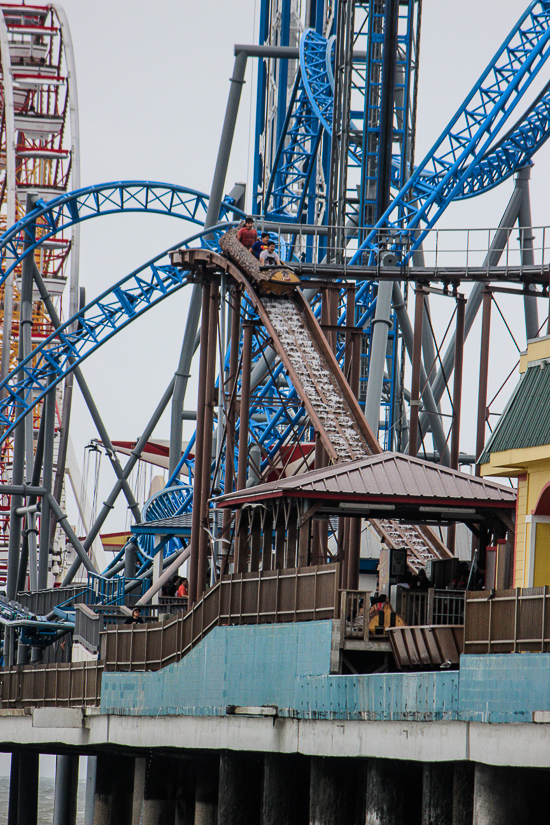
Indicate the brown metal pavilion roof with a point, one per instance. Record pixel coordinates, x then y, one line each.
385 479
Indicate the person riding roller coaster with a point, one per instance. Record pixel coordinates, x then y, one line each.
247 234
258 247
269 257
274 278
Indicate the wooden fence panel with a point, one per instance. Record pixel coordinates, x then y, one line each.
507 621
242 598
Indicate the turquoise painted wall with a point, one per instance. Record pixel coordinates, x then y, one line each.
286 665
289 666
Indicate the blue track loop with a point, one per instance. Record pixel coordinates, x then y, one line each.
468 138
89 329
96 201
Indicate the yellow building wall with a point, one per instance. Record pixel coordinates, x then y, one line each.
520 533
537 349
541 573
531 466
529 491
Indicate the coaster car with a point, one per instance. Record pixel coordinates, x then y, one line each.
277 280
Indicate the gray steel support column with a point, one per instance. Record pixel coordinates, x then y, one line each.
13 802
427 394
89 802
332 791
67 389
199 452
208 413
128 467
212 214
27 809
428 349
457 402
130 560
61 462
181 377
47 477
416 361
240 788
526 238
498 244
32 558
483 375
437 793
66 789
23 654
285 796
379 345
21 449
25 328
18 472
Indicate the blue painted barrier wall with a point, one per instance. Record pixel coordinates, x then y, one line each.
289 666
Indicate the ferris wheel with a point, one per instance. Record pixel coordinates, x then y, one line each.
39 159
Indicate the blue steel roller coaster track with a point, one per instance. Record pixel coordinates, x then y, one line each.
497 92
465 161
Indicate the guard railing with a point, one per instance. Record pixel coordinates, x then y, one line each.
508 621
265 597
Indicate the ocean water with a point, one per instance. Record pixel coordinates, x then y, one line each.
46 790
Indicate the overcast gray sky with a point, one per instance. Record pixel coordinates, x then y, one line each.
153 83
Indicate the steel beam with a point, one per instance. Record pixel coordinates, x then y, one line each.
47 477
239 564
483 376
457 401
214 203
199 456
430 405
21 432
526 238
416 367
208 413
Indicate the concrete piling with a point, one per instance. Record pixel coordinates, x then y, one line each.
285 796
114 790
240 788
206 791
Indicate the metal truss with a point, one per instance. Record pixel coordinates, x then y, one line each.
103 199
294 161
513 151
468 137
89 329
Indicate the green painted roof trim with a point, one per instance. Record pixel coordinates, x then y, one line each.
526 420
